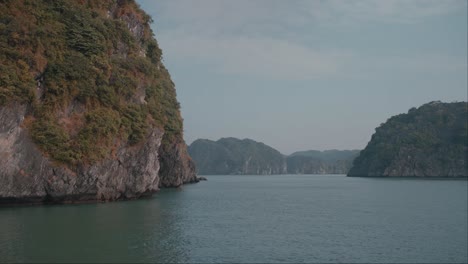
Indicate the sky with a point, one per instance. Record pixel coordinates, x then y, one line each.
313 74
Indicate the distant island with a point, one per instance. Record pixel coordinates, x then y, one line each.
429 141
321 162
232 156
236 156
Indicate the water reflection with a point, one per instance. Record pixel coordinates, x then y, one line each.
132 231
253 219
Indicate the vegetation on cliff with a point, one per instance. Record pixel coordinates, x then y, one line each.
428 141
91 75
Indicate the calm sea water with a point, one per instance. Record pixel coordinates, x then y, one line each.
286 218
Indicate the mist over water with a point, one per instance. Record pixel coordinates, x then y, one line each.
284 218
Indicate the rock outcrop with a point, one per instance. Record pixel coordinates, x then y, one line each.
234 156
430 141
177 167
87 110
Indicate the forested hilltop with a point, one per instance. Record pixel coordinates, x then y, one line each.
236 156
83 94
429 141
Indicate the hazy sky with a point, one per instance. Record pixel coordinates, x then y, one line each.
301 75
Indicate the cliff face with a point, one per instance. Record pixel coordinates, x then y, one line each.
430 141
29 176
177 167
321 162
235 156
87 110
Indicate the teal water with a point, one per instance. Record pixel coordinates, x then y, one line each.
287 218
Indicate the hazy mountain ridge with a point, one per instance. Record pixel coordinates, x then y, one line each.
429 141
321 162
235 156
327 155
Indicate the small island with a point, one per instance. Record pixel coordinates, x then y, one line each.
429 141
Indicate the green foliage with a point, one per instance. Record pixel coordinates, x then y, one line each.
53 140
83 33
14 82
134 120
433 129
96 139
70 79
153 51
80 67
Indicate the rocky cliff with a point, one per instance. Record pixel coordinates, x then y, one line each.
321 162
235 156
87 110
430 141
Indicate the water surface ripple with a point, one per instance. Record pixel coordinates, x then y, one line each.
283 219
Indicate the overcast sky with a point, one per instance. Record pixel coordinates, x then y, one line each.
301 75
